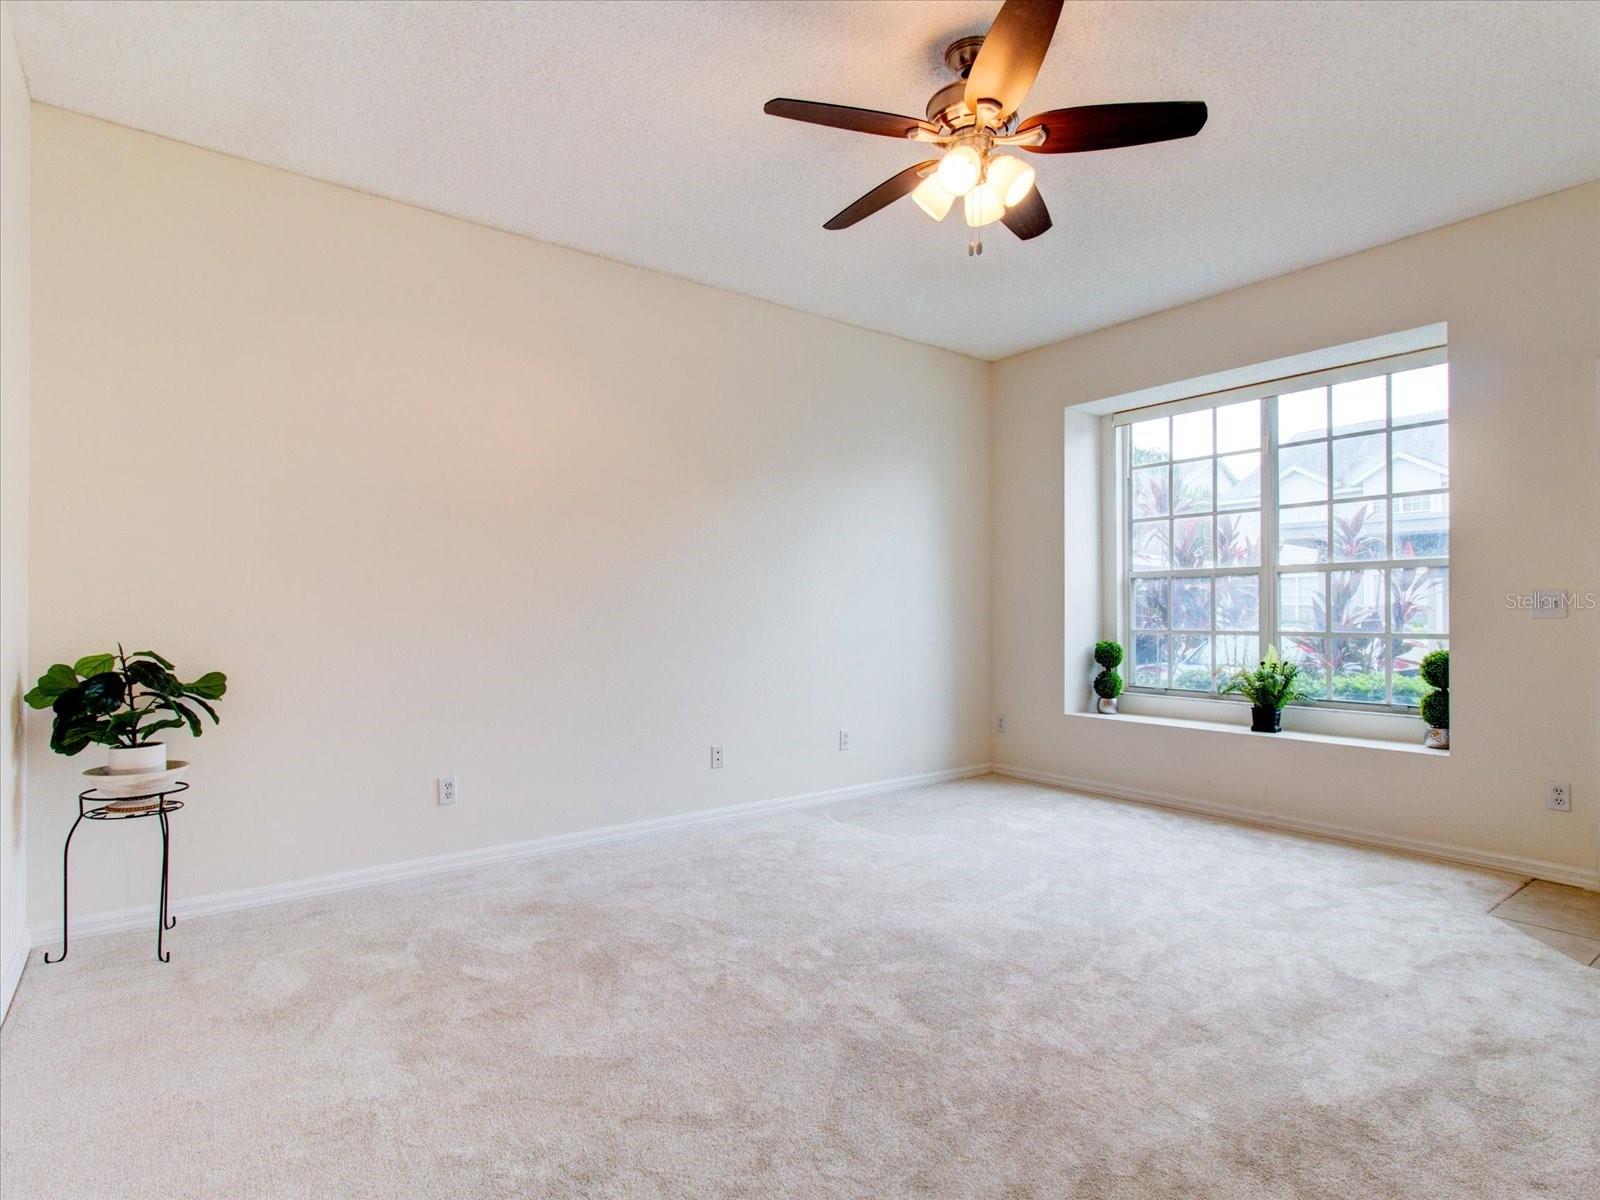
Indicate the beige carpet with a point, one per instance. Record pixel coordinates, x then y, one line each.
981 989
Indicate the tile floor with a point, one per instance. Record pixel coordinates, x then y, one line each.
1564 918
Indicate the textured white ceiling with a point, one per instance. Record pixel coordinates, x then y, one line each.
635 131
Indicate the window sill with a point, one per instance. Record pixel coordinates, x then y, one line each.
1389 729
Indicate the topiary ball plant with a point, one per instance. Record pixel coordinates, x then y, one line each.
1436 709
1435 670
1435 705
1108 684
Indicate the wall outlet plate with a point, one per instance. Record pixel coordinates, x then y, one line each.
447 790
1000 723
844 739
716 758
1558 797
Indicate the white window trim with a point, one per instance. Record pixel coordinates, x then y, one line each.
1330 717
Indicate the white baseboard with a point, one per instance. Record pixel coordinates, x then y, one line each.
1510 863
295 889
12 972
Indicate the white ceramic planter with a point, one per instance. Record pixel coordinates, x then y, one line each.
137 759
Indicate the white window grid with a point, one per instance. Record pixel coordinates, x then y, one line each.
1270 571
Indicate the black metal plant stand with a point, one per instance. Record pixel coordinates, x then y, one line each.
95 807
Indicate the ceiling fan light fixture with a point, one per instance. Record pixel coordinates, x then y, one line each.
960 169
984 204
1013 177
932 199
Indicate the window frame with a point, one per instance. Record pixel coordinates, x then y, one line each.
1119 582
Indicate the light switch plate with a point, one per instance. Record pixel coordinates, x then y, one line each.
1549 606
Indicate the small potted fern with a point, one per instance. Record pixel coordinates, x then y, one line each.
1269 687
1108 684
1435 671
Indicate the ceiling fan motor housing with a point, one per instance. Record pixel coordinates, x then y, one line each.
948 106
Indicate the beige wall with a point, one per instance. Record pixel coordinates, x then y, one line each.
442 500
1520 289
15 134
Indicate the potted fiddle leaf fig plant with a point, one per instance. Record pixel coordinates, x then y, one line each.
122 701
1269 687
1108 684
1435 672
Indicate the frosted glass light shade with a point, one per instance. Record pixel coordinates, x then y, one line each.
984 205
1013 177
932 199
959 170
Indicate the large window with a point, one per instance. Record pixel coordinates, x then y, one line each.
1313 515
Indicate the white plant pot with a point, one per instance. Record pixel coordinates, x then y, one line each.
137 760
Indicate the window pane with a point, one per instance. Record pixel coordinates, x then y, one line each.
1191 662
1150 660
1235 652
1239 539
1302 601
1406 685
1358 670
1355 600
1150 546
1421 395
1150 492
1191 542
1422 526
1239 427
1359 404
1192 486
1421 458
1303 473
1310 654
1303 535
1150 441
1360 531
1358 466
1191 434
1239 481
1191 604
1239 602
1420 600
1303 415
1150 604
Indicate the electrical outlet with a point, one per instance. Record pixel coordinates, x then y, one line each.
716 758
447 790
844 739
1000 723
1558 797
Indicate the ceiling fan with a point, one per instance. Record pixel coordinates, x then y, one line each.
975 116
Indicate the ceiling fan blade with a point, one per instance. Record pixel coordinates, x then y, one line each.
1029 218
885 194
841 116
1012 52
1108 126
